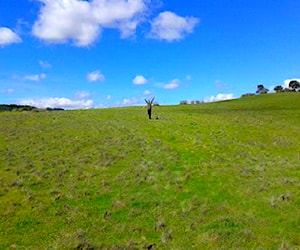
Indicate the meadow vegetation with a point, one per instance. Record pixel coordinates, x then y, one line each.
219 175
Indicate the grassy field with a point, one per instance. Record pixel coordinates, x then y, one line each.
219 175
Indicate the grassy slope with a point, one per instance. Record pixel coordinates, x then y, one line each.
213 175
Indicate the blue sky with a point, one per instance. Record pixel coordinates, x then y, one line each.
104 53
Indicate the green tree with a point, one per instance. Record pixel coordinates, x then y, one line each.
278 89
261 89
294 85
183 102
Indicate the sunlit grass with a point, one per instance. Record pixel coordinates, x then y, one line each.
204 176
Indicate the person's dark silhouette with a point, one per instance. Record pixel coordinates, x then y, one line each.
149 106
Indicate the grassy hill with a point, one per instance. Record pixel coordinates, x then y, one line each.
219 175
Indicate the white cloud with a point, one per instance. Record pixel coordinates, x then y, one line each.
170 27
147 92
82 21
139 80
63 20
95 76
7 36
81 95
271 89
108 97
120 14
35 78
174 84
45 64
100 106
56 102
219 97
287 81
131 102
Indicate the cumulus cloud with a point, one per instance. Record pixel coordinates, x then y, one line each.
120 14
56 102
7 36
139 80
170 27
63 20
174 84
95 76
219 97
35 78
82 21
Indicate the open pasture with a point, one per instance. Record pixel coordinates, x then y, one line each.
219 175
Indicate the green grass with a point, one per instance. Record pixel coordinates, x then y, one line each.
219 175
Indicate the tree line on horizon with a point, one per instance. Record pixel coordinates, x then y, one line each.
294 86
16 107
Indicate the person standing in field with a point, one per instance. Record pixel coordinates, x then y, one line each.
149 106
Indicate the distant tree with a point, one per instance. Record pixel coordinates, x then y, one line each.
294 85
247 94
193 102
54 109
183 102
278 89
261 89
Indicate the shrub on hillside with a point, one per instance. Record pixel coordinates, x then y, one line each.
247 94
278 89
183 102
